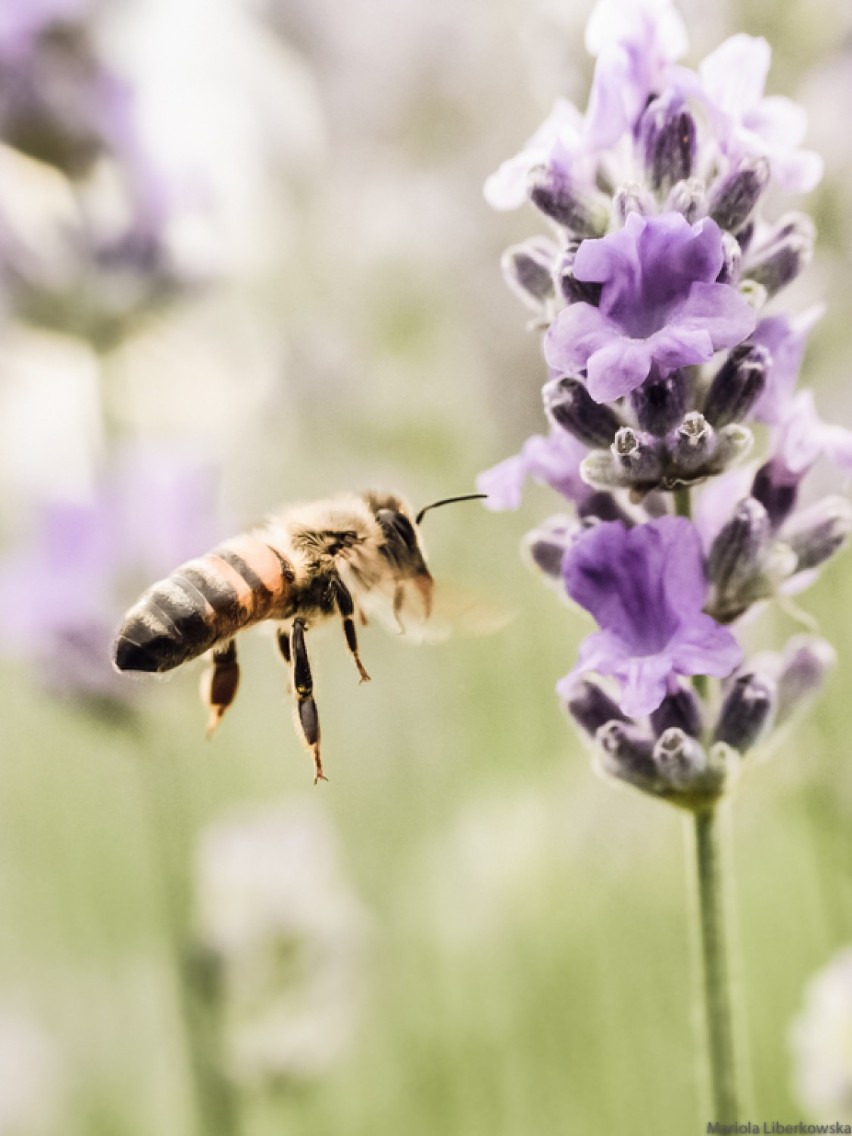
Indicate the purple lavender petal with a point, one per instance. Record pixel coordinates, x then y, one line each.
720 311
682 565
553 461
577 332
608 116
675 347
619 368
735 74
506 188
645 684
733 78
786 339
802 437
659 305
617 574
635 44
706 648
646 586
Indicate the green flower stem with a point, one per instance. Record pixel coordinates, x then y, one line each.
715 969
712 918
683 502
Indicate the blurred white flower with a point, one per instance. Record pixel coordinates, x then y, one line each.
51 431
278 915
821 1041
29 1077
219 105
498 863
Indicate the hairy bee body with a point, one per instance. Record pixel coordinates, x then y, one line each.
348 556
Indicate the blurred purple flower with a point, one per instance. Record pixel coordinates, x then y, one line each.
21 23
60 102
660 306
646 587
554 461
65 591
747 123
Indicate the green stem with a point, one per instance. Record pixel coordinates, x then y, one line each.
682 501
716 979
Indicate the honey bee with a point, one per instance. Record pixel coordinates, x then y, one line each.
349 557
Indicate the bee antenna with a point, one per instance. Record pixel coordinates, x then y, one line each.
447 501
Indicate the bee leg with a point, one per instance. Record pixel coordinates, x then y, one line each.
219 683
347 611
284 647
305 706
398 603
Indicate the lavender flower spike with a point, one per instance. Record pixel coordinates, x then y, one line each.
646 587
660 305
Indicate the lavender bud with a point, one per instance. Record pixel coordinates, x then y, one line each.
746 711
732 256
585 212
574 290
591 707
627 754
569 405
732 443
548 543
807 661
816 534
547 553
667 142
681 710
679 758
780 261
631 198
602 506
659 403
692 445
688 198
528 270
776 488
737 552
745 236
631 462
737 384
638 456
733 198
600 469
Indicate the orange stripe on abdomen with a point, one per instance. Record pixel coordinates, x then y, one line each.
264 576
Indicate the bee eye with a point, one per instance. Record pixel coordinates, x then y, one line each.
397 527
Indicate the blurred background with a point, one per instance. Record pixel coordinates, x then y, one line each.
245 260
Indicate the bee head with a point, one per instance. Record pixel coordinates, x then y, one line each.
401 542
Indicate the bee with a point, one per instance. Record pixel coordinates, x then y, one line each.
348 557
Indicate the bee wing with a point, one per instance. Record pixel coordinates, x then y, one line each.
449 609
457 610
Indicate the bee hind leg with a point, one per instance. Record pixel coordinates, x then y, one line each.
219 684
346 607
306 708
283 640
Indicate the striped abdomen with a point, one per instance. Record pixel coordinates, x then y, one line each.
203 602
